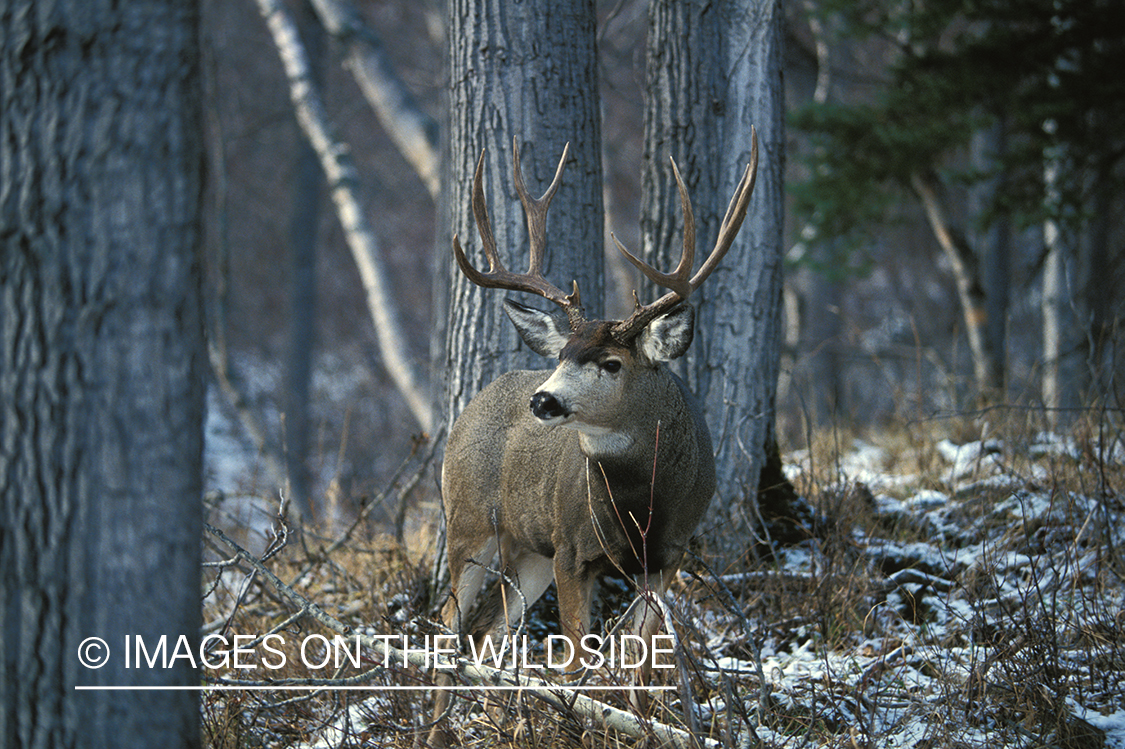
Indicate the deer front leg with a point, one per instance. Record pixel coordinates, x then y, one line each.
575 592
647 619
466 571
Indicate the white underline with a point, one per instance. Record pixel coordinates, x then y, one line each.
348 688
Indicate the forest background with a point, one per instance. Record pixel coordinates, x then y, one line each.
953 259
924 274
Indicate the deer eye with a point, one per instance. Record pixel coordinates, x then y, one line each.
612 366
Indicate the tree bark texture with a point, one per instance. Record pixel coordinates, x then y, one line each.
101 366
714 69
511 77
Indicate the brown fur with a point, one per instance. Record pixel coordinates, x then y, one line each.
507 476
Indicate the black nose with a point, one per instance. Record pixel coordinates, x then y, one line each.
545 406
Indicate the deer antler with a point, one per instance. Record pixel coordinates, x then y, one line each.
499 277
680 281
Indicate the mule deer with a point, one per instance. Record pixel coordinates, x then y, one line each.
604 464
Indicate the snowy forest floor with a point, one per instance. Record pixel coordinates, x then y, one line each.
962 586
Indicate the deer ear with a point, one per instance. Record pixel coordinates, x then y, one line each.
668 336
545 334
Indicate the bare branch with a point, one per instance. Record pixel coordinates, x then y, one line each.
600 713
342 178
412 129
966 273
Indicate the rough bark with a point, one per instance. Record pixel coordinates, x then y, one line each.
512 76
101 366
714 69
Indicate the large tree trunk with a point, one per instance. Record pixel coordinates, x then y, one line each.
101 367
714 69
511 78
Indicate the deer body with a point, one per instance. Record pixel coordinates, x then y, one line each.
604 463
627 497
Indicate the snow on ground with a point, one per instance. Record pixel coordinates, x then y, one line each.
999 626
976 605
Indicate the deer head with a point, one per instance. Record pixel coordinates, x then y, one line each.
593 355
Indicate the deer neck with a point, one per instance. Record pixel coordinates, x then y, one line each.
601 443
638 437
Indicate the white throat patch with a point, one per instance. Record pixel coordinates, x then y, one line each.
601 441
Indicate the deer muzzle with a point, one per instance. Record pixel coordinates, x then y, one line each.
547 407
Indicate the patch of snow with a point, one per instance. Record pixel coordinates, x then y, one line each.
1113 724
1050 444
970 457
927 499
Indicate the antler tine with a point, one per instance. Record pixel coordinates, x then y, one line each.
736 213
536 209
679 279
499 277
496 269
681 288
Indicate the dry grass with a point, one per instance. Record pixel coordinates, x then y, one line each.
943 599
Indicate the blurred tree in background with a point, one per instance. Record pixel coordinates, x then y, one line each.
1034 88
917 164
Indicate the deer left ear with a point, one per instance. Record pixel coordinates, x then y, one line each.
668 336
545 334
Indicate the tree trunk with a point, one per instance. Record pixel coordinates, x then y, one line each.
1098 289
302 285
714 69
101 366
966 275
512 76
1062 371
817 327
340 174
413 130
989 145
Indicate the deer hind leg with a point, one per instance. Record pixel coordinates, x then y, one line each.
647 618
526 577
466 573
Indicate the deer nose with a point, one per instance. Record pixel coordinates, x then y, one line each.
546 406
